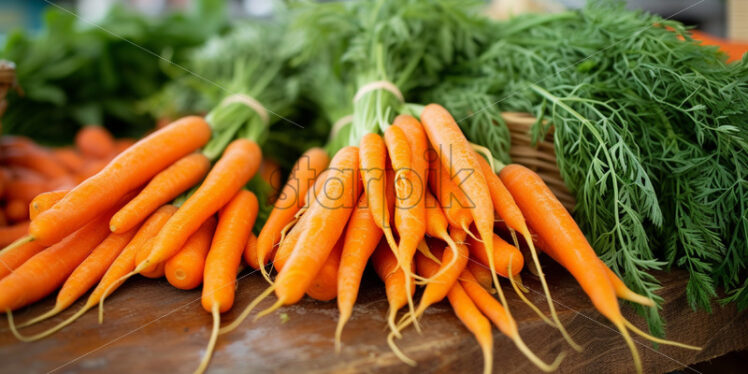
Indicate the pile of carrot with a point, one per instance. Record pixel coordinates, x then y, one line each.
420 202
29 170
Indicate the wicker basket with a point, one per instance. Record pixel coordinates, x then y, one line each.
541 158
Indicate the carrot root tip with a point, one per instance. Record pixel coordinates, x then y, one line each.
212 342
233 325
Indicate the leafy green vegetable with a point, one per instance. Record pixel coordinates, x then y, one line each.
650 135
76 72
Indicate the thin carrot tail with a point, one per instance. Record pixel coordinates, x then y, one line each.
411 307
636 298
19 242
453 247
267 311
114 284
48 332
51 313
632 346
486 152
517 279
654 339
339 331
396 350
212 342
467 231
487 349
535 359
424 249
546 290
233 325
391 315
525 300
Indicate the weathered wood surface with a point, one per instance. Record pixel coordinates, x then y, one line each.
151 327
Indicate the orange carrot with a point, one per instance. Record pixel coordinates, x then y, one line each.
37 159
302 176
549 218
185 269
25 189
11 260
44 272
9 234
324 286
69 158
113 277
474 320
250 252
154 272
331 207
44 201
121 145
502 319
481 273
335 204
87 273
458 157
436 223
361 238
233 170
164 187
373 156
94 141
126 172
235 222
16 210
270 172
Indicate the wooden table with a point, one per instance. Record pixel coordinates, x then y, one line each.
151 327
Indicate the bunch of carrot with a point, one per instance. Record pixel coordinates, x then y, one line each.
29 169
420 201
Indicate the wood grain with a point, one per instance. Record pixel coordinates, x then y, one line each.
151 327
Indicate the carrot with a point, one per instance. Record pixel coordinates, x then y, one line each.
451 198
233 170
327 211
475 321
373 157
324 286
25 189
361 238
503 253
37 159
185 269
545 214
126 172
385 264
235 222
304 172
11 260
164 187
44 201
620 288
87 273
69 158
457 156
44 272
334 205
3 220
512 216
112 278
250 252
9 234
502 319
94 142
16 210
